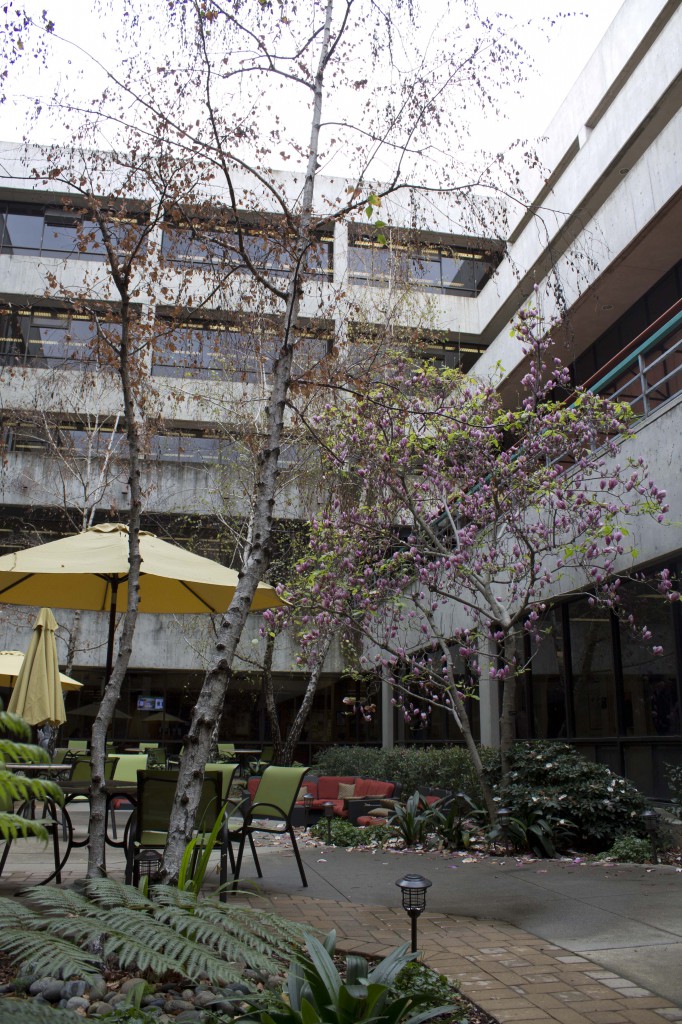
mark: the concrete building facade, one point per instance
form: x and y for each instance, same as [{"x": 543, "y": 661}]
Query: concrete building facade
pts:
[{"x": 598, "y": 242}]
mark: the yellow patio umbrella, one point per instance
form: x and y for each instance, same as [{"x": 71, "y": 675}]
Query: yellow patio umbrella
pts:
[
  {"x": 10, "y": 666},
  {"x": 37, "y": 696},
  {"x": 90, "y": 571}
]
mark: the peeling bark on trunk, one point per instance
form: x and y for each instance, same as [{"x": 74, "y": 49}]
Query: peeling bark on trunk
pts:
[
  {"x": 299, "y": 721},
  {"x": 112, "y": 690},
  {"x": 210, "y": 702}
]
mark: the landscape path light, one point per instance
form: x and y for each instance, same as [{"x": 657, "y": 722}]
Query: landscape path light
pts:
[
  {"x": 650, "y": 819},
  {"x": 329, "y": 814},
  {"x": 307, "y": 805},
  {"x": 413, "y": 889},
  {"x": 503, "y": 818}
]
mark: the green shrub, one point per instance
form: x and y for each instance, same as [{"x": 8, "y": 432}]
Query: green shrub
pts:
[
  {"x": 673, "y": 774},
  {"x": 592, "y": 803},
  {"x": 413, "y": 767},
  {"x": 345, "y": 833},
  {"x": 630, "y": 849}
]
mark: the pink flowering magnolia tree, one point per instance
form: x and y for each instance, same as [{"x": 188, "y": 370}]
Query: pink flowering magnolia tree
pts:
[{"x": 455, "y": 520}]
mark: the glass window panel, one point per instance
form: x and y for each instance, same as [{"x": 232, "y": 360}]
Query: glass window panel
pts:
[
  {"x": 320, "y": 260},
  {"x": 13, "y": 333},
  {"x": 549, "y": 681},
  {"x": 309, "y": 352},
  {"x": 460, "y": 273},
  {"x": 593, "y": 683},
  {"x": 651, "y": 694},
  {"x": 62, "y": 234},
  {"x": 23, "y": 231},
  {"x": 425, "y": 269}
]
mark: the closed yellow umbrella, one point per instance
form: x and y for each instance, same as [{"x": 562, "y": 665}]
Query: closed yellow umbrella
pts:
[
  {"x": 10, "y": 667},
  {"x": 37, "y": 696},
  {"x": 90, "y": 570}
]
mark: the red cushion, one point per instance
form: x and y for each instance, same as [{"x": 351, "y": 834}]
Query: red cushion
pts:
[
  {"x": 252, "y": 785},
  {"x": 338, "y": 805},
  {"x": 369, "y": 819},
  {"x": 310, "y": 787},
  {"x": 328, "y": 785},
  {"x": 431, "y": 800},
  {"x": 372, "y": 787}
]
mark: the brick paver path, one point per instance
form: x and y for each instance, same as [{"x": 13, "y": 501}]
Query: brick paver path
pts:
[{"x": 512, "y": 975}]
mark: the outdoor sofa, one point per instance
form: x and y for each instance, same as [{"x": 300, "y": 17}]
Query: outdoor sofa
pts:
[{"x": 350, "y": 795}]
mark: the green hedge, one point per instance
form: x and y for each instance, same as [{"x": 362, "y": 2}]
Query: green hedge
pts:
[{"x": 413, "y": 767}]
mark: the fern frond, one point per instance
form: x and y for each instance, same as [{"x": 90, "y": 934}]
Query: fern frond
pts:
[
  {"x": 58, "y": 902},
  {"x": 15, "y": 912},
  {"x": 106, "y": 892},
  {"x": 10, "y": 722},
  {"x": 48, "y": 955},
  {"x": 14, "y": 826},
  {"x": 14, "y": 786},
  {"x": 29, "y": 1011}
]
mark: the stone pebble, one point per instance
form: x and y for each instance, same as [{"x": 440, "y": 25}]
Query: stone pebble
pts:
[{"x": 168, "y": 1002}]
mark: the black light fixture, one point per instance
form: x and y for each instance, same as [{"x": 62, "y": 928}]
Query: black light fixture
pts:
[
  {"x": 503, "y": 818},
  {"x": 149, "y": 862},
  {"x": 413, "y": 889},
  {"x": 329, "y": 814},
  {"x": 307, "y": 805},
  {"x": 650, "y": 819}
]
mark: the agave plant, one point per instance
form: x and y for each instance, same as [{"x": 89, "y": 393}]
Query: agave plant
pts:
[
  {"x": 317, "y": 994},
  {"x": 414, "y": 819}
]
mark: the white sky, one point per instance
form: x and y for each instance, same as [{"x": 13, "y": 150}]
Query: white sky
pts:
[{"x": 560, "y": 52}]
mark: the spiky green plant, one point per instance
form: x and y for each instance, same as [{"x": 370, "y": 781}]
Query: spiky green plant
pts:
[
  {"x": 67, "y": 933},
  {"x": 317, "y": 994},
  {"x": 14, "y": 749}
]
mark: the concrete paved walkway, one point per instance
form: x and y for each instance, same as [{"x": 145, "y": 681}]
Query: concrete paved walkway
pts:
[{"x": 560, "y": 942}]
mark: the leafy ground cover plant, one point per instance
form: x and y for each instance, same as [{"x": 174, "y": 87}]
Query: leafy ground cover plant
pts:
[
  {"x": 629, "y": 849},
  {"x": 316, "y": 991},
  {"x": 345, "y": 833},
  {"x": 65, "y": 933},
  {"x": 590, "y": 803}
]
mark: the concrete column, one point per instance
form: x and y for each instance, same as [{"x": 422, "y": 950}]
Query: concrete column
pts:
[
  {"x": 489, "y": 699},
  {"x": 387, "y": 714}
]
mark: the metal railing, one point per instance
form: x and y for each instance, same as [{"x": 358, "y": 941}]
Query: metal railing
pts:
[{"x": 650, "y": 374}]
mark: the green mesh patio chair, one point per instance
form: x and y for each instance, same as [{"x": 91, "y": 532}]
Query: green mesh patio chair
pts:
[
  {"x": 227, "y": 773},
  {"x": 271, "y": 812},
  {"x": 51, "y": 819},
  {"x": 147, "y": 828}
]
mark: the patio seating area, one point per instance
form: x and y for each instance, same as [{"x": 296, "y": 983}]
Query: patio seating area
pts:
[{"x": 519, "y": 937}]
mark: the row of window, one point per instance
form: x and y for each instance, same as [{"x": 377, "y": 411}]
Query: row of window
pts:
[
  {"x": 52, "y": 231},
  {"x": 44, "y": 338},
  {"x": 55, "y": 232},
  {"x": 432, "y": 267},
  {"x": 191, "y": 446}
]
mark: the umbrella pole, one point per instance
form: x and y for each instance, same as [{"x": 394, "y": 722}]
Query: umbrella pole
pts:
[{"x": 112, "y": 630}]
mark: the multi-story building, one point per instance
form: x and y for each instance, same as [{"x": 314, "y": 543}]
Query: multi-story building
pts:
[{"x": 599, "y": 237}]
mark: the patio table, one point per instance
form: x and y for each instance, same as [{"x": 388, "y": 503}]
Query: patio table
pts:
[{"x": 113, "y": 788}]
